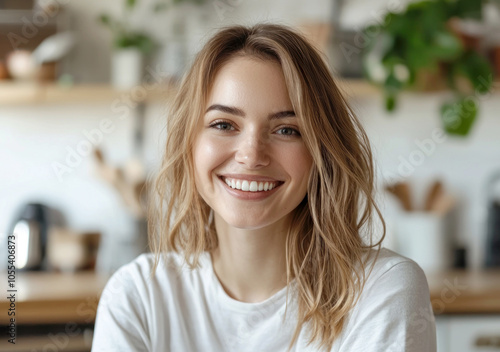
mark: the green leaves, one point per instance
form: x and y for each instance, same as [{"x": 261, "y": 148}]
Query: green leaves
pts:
[
  {"x": 130, "y": 4},
  {"x": 420, "y": 40},
  {"x": 468, "y": 9},
  {"x": 390, "y": 102},
  {"x": 105, "y": 19},
  {"x": 445, "y": 46},
  {"x": 477, "y": 70},
  {"x": 125, "y": 37},
  {"x": 135, "y": 40},
  {"x": 459, "y": 115}
]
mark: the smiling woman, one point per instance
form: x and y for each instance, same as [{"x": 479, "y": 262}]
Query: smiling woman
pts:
[
  {"x": 262, "y": 220},
  {"x": 241, "y": 142}
]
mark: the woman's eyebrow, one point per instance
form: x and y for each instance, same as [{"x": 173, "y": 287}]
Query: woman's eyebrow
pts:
[
  {"x": 238, "y": 112},
  {"x": 227, "y": 109}
]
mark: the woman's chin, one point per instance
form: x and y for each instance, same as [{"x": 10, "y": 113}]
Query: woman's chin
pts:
[{"x": 248, "y": 222}]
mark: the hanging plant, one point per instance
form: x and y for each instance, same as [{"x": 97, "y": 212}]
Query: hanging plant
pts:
[{"x": 421, "y": 48}]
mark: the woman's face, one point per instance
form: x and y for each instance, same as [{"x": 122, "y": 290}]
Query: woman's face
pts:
[{"x": 251, "y": 164}]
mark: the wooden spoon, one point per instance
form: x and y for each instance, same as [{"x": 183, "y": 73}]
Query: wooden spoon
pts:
[
  {"x": 443, "y": 205},
  {"x": 433, "y": 194},
  {"x": 402, "y": 192}
]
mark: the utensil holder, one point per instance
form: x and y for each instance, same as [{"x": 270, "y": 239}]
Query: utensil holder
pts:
[{"x": 424, "y": 237}]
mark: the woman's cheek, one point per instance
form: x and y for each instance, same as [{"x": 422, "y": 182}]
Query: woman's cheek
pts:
[{"x": 211, "y": 152}]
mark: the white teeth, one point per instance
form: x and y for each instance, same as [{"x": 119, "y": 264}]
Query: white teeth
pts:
[
  {"x": 245, "y": 186},
  {"x": 250, "y": 186}
]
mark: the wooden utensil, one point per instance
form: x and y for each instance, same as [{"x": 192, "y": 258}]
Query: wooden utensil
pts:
[
  {"x": 443, "y": 204},
  {"x": 403, "y": 193},
  {"x": 116, "y": 177},
  {"x": 128, "y": 194},
  {"x": 435, "y": 191}
]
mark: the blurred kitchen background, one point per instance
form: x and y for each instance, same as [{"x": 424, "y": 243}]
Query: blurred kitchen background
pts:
[{"x": 84, "y": 91}]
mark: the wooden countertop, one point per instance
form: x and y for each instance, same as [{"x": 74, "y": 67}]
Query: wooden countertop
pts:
[
  {"x": 59, "y": 298},
  {"x": 50, "y": 298},
  {"x": 465, "y": 292}
]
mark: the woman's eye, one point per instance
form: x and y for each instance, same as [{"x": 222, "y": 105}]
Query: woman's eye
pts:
[
  {"x": 288, "y": 131},
  {"x": 222, "y": 126}
]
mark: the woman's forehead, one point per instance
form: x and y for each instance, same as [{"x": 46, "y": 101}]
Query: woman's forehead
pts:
[{"x": 246, "y": 80}]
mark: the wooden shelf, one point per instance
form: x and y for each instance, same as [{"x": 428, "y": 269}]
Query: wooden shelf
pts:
[
  {"x": 25, "y": 94},
  {"x": 357, "y": 88},
  {"x": 22, "y": 94}
]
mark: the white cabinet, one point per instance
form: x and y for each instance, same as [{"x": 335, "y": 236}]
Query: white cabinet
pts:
[{"x": 468, "y": 333}]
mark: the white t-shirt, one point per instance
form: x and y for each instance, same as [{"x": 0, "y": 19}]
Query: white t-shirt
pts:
[{"x": 183, "y": 310}]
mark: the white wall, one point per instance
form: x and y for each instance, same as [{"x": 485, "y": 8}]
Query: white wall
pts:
[{"x": 33, "y": 138}]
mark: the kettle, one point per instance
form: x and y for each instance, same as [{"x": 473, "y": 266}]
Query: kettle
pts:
[
  {"x": 30, "y": 231},
  {"x": 492, "y": 257}
]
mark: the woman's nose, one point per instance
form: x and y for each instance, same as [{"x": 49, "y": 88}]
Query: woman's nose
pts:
[{"x": 253, "y": 151}]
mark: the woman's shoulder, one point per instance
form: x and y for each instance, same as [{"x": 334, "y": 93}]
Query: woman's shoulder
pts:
[
  {"x": 128, "y": 313},
  {"x": 391, "y": 265},
  {"x": 137, "y": 277},
  {"x": 393, "y": 312}
]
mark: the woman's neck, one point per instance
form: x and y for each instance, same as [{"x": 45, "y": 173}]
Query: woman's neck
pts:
[{"x": 250, "y": 264}]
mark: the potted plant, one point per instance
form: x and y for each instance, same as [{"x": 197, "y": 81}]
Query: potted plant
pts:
[
  {"x": 129, "y": 47},
  {"x": 424, "y": 46}
]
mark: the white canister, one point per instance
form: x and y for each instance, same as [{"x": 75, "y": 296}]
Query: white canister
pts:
[
  {"x": 126, "y": 68},
  {"x": 424, "y": 237}
]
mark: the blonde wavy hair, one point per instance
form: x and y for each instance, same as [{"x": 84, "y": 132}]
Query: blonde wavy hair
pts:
[{"x": 325, "y": 248}]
